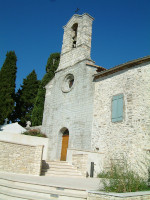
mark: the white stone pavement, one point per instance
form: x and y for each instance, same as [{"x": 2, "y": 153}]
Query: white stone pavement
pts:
[{"x": 65, "y": 182}]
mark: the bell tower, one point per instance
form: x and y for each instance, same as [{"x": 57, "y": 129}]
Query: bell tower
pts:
[
  {"x": 76, "y": 40},
  {"x": 68, "y": 110}
]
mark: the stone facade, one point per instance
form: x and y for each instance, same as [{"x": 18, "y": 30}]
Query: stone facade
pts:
[
  {"x": 122, "y": 196},
  {"x": 130, "y": 137},
  {"x": 79, "y": 100},
  {"x": 19, "y": 158},
  {"x": 72, "y": 108}
]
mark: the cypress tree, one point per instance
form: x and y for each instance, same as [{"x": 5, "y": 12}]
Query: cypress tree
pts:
[
  {"x": 51, "y": 67},
  {"x": 7, "y": 86},
  {"x": 25, "y": 99},
  {"x": 16, "y": 114}
]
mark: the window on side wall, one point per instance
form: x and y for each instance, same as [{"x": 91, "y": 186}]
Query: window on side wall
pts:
[{"x": 117, "y": 108}]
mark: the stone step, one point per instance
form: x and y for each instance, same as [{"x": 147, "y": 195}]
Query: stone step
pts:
[
  {"x": 61, "y": 174},
  {"x": 15, "y": 190},
  {"x": 58, "y": 163},
  {"x": 64, "y": 173},
  {"x": 8, "y": 197},
  {"x": 35, "y": 186},
  {"x": 5, "y": 195},
  {"x": 60, "y": 168}
]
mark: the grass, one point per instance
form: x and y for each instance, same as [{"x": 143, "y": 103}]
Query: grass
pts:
[{"x": 34, "y": 132}]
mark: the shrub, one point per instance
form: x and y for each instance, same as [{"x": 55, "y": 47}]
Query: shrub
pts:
[
  {"x": 121, "y": 179},
  {"x": 34, "y": 132}
]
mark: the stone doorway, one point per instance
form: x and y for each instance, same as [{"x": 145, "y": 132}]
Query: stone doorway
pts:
[{"x": 65, "y": 141}]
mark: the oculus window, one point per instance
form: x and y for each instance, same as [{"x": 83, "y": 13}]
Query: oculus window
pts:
[{"x": 68, "y": 83}]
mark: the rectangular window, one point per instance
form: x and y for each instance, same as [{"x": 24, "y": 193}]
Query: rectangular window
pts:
[{"x": 117, "y": 108}]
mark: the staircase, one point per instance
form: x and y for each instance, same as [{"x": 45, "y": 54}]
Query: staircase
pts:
[
  {"x": 12, "y": 189},
  {"x": 60, "y": 168},
  {"x": 29, "y": 187}
]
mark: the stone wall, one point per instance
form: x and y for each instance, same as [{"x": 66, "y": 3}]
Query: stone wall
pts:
[
  {"x": 19, "y": 158},
  {"x": 26, "y": 140},
  {"x": 82, "y": 159},
  {"x": 117, "y": 196},
  {"x": 129, "y": 138}
]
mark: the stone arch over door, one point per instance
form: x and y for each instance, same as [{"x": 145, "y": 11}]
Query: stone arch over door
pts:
[{"x": 63, "y": 143}]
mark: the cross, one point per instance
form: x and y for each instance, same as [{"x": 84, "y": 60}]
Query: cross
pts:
[
  {"x": 76, "y": 11},
  {"x": 6, "y": 120}
]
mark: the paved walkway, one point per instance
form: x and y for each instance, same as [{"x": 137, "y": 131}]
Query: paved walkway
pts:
[{"x": 66, "y": 182}]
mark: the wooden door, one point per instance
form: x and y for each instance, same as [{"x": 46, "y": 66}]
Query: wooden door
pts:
[{"x": 65, "y": 139}]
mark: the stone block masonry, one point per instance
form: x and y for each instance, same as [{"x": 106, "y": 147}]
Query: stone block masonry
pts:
[
  {"x": 26, "y": 140},
  {"x": 80, "y": 161},
  {"x": 128, "y": 138},
  {"x": 69, "y": 55},
  {"x": 72, "y": 110},
  {"x": 119, "y": 196},
  {"x": 19, "y": 158}
]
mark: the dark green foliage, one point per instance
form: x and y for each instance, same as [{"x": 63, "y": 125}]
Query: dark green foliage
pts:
[
  {"x": 121, "y": 179},
  {"x": 16, "y": 114},
  {"x": 25, "y": 99},
  {"x": 7, "y": 86},
  {"x": 37, "y": 114},
  {"x": 51, "y": 67},
  {"x": 34, "y": 132},
  {"x": 53, "y": 62}
]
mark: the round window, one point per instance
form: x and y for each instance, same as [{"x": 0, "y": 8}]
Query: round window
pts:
[{"x": 68, "y": 83}]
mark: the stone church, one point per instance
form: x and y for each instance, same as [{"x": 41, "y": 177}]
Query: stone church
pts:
[{"x": 96, "y": 115}]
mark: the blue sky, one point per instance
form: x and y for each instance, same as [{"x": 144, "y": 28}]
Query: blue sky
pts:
[{"x": 33, "y": 29}]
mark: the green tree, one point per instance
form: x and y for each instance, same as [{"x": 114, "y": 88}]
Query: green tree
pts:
[
  {"x": 51, "y": 67},
  {"x": 7, "y": 86},
  {"x": 53, "y": 62},
  {"x": 16, "y": 114},
  {"x": 25, "y": 99}
]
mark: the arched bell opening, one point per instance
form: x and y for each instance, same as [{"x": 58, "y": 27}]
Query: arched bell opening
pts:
[{"x": 74, "y": 35}]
